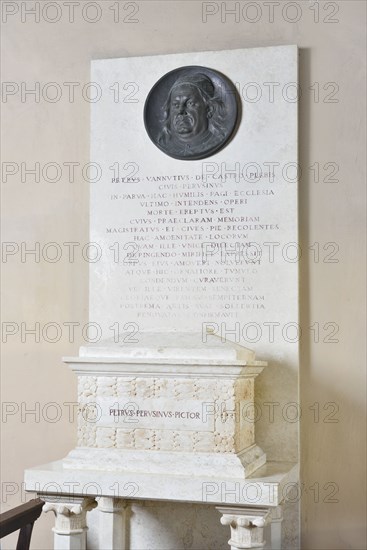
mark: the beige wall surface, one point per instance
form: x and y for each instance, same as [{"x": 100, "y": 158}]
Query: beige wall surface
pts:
[{"x": 56, "y": 45}]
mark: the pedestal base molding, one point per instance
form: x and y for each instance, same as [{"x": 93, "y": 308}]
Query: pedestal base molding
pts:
[{"x": 238, "y": 466}]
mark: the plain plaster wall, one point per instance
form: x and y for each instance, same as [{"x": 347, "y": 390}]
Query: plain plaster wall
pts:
[{"x": 44, "y": 292}]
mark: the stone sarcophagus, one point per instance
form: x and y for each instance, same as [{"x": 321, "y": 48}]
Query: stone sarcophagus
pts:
[{"x": 168, "y": 402}]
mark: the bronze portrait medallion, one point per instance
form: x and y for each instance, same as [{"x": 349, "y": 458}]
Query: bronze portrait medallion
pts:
[{"x": 191, "y": 112}]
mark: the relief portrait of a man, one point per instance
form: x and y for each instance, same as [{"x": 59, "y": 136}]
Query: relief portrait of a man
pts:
[
  {"x": 191, "y": 112},
  {"x": 193, "y": 117}
]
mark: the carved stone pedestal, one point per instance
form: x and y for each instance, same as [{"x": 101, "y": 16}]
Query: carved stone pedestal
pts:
[
  {"x": 164, "y": 419},
  {"x": 173, "y": 402},
  {"x": 70, "y": 532},
  {"x": 245, "y": 515}
]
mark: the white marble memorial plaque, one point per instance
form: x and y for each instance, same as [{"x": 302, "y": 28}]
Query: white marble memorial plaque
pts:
[{"x": 192, "y": 244}]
